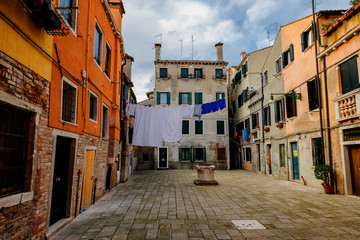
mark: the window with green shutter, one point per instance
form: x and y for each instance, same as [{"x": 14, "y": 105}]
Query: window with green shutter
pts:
[
  {"x": 163, "y": 98},
  {"x": 349, "y": 75},
  {"x": 185, "y": 154},
  {"x": 184, "y": 73},
  {"x": 198, "y": 98},
  {"x": 163, "y": 72},
  {"x": 200, "y": 154},
  {"x": 220, "y": 127},
  {"x": 219, "y": 73},
  {"x": 220, "y": 95},
  {"x": 199, "y": 127},
  {"x": 184, "y": 98},
  {"x": 185, "y": 126}
]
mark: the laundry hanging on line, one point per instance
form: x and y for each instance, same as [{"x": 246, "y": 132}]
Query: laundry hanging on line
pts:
[{"x": 156, "y": 124}]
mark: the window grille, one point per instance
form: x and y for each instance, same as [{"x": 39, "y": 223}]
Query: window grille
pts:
[
  {"x": 68, "y": 104},
  {"x": 352, "y": 134}
]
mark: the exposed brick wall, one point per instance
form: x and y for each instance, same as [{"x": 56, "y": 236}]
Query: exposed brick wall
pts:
[{"x": 28, "y": 220}]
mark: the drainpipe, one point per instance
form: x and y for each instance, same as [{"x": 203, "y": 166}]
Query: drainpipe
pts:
[
  {"x": 318, "y": 81},
  {"x": 86, "y": 65},
  {"x": 262, "y": 114}
]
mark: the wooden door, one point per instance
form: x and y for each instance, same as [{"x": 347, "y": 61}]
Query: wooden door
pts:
[
  {"x": 162, "y": 157},
  {"x": 295, "y": 160},
  {"x": 88, "y": 179},
  {"x": 354, "y": 155}
]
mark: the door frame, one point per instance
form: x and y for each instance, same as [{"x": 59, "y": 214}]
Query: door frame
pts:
[
  {"x": 292, "y": 160},
  {"x": 75, "y": 161},
  {"x": 345, "y": 158},
  {"x": 167, "y": 158}
]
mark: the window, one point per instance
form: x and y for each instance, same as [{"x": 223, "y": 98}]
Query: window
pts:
[
  {"x": 198, "y": 73},
  {"x": 198, "y": 98},
  {"x": 218, "y": 73},
  {"x": 279, "y": 110},
  {"x": 307, "y": 38},
  {"x": 220, "y": 95},
  {"x": 247, "y": 125},
  {"x": 131, "y": 131},
  {"x": 288, "y": 56},
  {"x": 184, "y": 73},
  {"x": 255, "y": 120},
  {"x": 278, "y": 65},
  {"x": 107, "y": 60},
  {"x": 265, "y": 77},
  {"x": 93, "y": 107},
  {"x": 163, "y": 98},
  {"x": 239, "y": 129},
  {"x": 349, "y": 75},
  {"x": 16, "y": 149},
  {"x": 105, "y": 122},
  {"x": 248, "y": 154},
  {"x": 185, "y": 126},
  {"x": 184, "y": 98},
  {"x": 185, "y": 154},
  {"x": 313, "y": 94},
  {"x": 200, "y": 154},
  {"x": 220, "y": 127},
  {"x": 317, "y": 151},
  {"x": 98, "y": 44},
  {"x": 244, "y": 69},
  {"x": 199, "y": 127},
  {"x": 68, "y": 14},
  {"x": 239, "y": 101},
  {"x": 282, "y": 155},
  {"x": 238, "y": 77},
  {"x": 221, "y": 154},
  {"x": 290, "y": 106},
  {"x": 267, "y": 116},
  {"x": 69, "y": 101},
  {"x": 163, "y": 73}
]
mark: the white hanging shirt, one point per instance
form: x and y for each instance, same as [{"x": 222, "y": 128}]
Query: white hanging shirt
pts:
[{"x": 172, "y": 127}]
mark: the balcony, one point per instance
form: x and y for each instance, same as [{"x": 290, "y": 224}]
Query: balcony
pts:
[
  {"x": 219, "y": 77},
  {"x": 163, "y": 76},
  {"x": 347, "y": 106}
]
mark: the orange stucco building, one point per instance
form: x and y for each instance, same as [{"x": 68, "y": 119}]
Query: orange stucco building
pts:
[{"x": 85, "y": 103}]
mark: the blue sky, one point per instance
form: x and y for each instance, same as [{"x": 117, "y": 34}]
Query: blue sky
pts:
[{"x": 241, "y": 25}]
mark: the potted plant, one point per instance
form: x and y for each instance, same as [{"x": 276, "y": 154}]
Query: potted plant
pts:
[
  {"x": 266, "y": 128},
  {"x": 325, "y": 172},
  {"x": 279, "y": 124}
]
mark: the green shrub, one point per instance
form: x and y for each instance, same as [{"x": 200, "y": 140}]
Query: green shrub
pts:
[
  {"x": 324, "y": 172},
  {"x": 354, "y": 2}
]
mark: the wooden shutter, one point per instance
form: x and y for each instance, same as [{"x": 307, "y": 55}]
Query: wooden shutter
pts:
[
  {"x": 158, "y": 97},
  {"x": 191, "y": 154},
  {"x": 217, "y": 96},
  {"x": 168, "y": 98},
  {"x": 303, "y": 36},
  {"x": 180, "y": 155},
  {"x": 200, "y": 98},
  {"x": 190, "y": 102},
  {"x": 291, "y": 52},
  {"x": 283, "y": 56},
  {"x": 276, "y": 111},
  {"x": 294, "y": 104},
  {"x": 204, "y": 154},
  {"x": 354, "y": 78},
  {"x": 180, "y": 97},
  {"x": 194, "y": 153}
]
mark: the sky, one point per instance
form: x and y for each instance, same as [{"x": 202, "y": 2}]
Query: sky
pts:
[{"x": 241, "y": 25}]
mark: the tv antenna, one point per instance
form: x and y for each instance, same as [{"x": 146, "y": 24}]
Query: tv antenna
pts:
[
  {"x": 268, "y": 31},
  {"x": 192, "y": 47},
  {"x": 159, "y": 35},
  {"x": 181, "y": 41}
]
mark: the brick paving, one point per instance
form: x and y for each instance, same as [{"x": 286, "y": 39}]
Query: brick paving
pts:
[{"x": 167, "y": 205}]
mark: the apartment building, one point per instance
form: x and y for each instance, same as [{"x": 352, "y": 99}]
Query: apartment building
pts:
[{"x": 189, "y": 82}]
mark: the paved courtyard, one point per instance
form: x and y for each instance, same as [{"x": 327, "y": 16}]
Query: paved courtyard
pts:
[{"x": 167, "y": 205}]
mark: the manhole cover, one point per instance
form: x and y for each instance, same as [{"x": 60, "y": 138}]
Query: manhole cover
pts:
[{"x": 247, "y": 224}]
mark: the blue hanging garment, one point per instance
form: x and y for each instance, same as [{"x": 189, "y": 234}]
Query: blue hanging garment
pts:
[
  {"x": 215, "y": 106},
  {"x": 221, "y": 104},
  {"x": 206, "y": 108},
  {"x": 245, "y": 134}
]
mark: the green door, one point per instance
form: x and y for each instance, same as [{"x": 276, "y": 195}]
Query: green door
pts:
[{"x": 295, "y": 160}]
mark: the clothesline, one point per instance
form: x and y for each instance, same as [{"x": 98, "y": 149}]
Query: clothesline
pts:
[{"x": 157, "y": 123}]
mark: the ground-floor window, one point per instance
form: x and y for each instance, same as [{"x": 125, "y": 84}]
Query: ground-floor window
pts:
[
  {"x": 200, "y": 154},
  {"x": 184, "y": 154},
  {"x": 145, "y": 157},
  {"x": 282, "y": 155},
  {"x": 317, "y": 152},
  {"x": 17, "y": 129}
]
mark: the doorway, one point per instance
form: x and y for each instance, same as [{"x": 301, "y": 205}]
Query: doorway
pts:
[
  {"x": 268, "y": 150},
  {"x": 88, "y": 179},
  {"x": 354, "y": 158},
  {"x": 163, "y": 163},
  {"x": 259, "y": 156},
  {"x": 62, "y": 179},
  {"x": 108, "y": 178},
  {"x": 295, "y": 161}
]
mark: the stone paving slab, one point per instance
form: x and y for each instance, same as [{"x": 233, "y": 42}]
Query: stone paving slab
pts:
[{"x": 167, "y": 205}]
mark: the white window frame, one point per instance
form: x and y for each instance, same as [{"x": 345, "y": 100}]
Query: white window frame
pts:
[
  {"x": 73, "y": 29},
  {"x": 221, "y": 94},
  {"x": 107, "y": 122},
  {"x": 309, "y": 37},
  {"x": 97, "y": 106},
  {"x": 107, "y": 45},
  {"x": 76, "y": 99},
  {"x": 97, "y": 25}
]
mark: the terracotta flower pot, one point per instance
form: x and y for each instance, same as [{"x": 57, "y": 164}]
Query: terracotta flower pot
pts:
[{"x": 329, "y": 189}]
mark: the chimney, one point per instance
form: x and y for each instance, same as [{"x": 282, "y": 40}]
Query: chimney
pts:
[
  {"x": 219, "y": 52},
  {"x": 242, "y": 55},
  {"x": 157, "y": 51}
]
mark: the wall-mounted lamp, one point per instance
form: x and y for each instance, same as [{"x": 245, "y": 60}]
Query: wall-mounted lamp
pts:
[{"x": 293, "y": 94}]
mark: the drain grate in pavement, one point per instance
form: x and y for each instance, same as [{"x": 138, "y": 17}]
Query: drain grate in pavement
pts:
[{"x": 247, "y": 224}]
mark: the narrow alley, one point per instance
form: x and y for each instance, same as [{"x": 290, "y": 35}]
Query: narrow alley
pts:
[{"x": 167, "y": 205}]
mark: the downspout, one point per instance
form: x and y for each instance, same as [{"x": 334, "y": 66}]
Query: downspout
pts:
[
  {"x": 262, "y": 114},
  {"x": 86, "y": 66},
  {"x": 318, "y": 81}
]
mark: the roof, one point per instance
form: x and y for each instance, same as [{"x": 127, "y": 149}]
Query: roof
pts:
[
  {"x": 348, "y": 14},
  {"x": 204, "y": 62}
]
